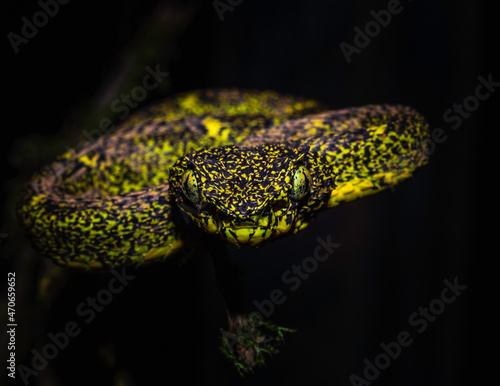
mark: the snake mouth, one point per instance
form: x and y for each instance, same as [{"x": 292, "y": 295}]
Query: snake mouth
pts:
[
  {"x": 255, "y": 230},
  {"x": 250, "y": 230},
  {"x": 250, "y": 222}
]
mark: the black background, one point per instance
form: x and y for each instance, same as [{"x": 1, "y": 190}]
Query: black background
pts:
[{"x": 396, "y": 248}]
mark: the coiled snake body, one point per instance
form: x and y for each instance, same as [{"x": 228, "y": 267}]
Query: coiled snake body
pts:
[{"x": 246, "y": 166}]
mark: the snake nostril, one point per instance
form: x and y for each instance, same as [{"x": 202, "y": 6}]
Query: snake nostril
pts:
[
  {"x": 225, "y": 219},
  {"x": 279, "y": 205},
  {"x": 209, "y": 209}
]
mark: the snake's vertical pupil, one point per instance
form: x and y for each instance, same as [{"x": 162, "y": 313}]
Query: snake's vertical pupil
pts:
[
  {"x": 190, "y": 186},
  {"x": 301, "y": 183}
]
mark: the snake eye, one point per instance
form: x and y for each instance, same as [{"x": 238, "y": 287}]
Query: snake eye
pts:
[
  {"x": 190, "y": 186},
  {"x": 301, "y": 183}
]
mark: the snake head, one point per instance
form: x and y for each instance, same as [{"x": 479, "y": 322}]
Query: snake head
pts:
[{"x": 251, "y": 195}]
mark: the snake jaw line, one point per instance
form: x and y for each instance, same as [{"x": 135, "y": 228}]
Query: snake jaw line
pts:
[{"x": 245, "y": 231}]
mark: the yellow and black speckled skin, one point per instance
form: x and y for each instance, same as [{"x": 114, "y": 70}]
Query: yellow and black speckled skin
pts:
[{"x": 247, "y": 166}]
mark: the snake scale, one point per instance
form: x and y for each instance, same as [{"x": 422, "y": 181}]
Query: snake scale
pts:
[{"x": 247, "y": 166}]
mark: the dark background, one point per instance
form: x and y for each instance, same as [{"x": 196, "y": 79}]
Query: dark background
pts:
[{"x": 396, "y": 248}]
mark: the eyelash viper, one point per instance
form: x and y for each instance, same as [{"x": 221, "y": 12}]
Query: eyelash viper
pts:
[{"x": 247, "y": 166}]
